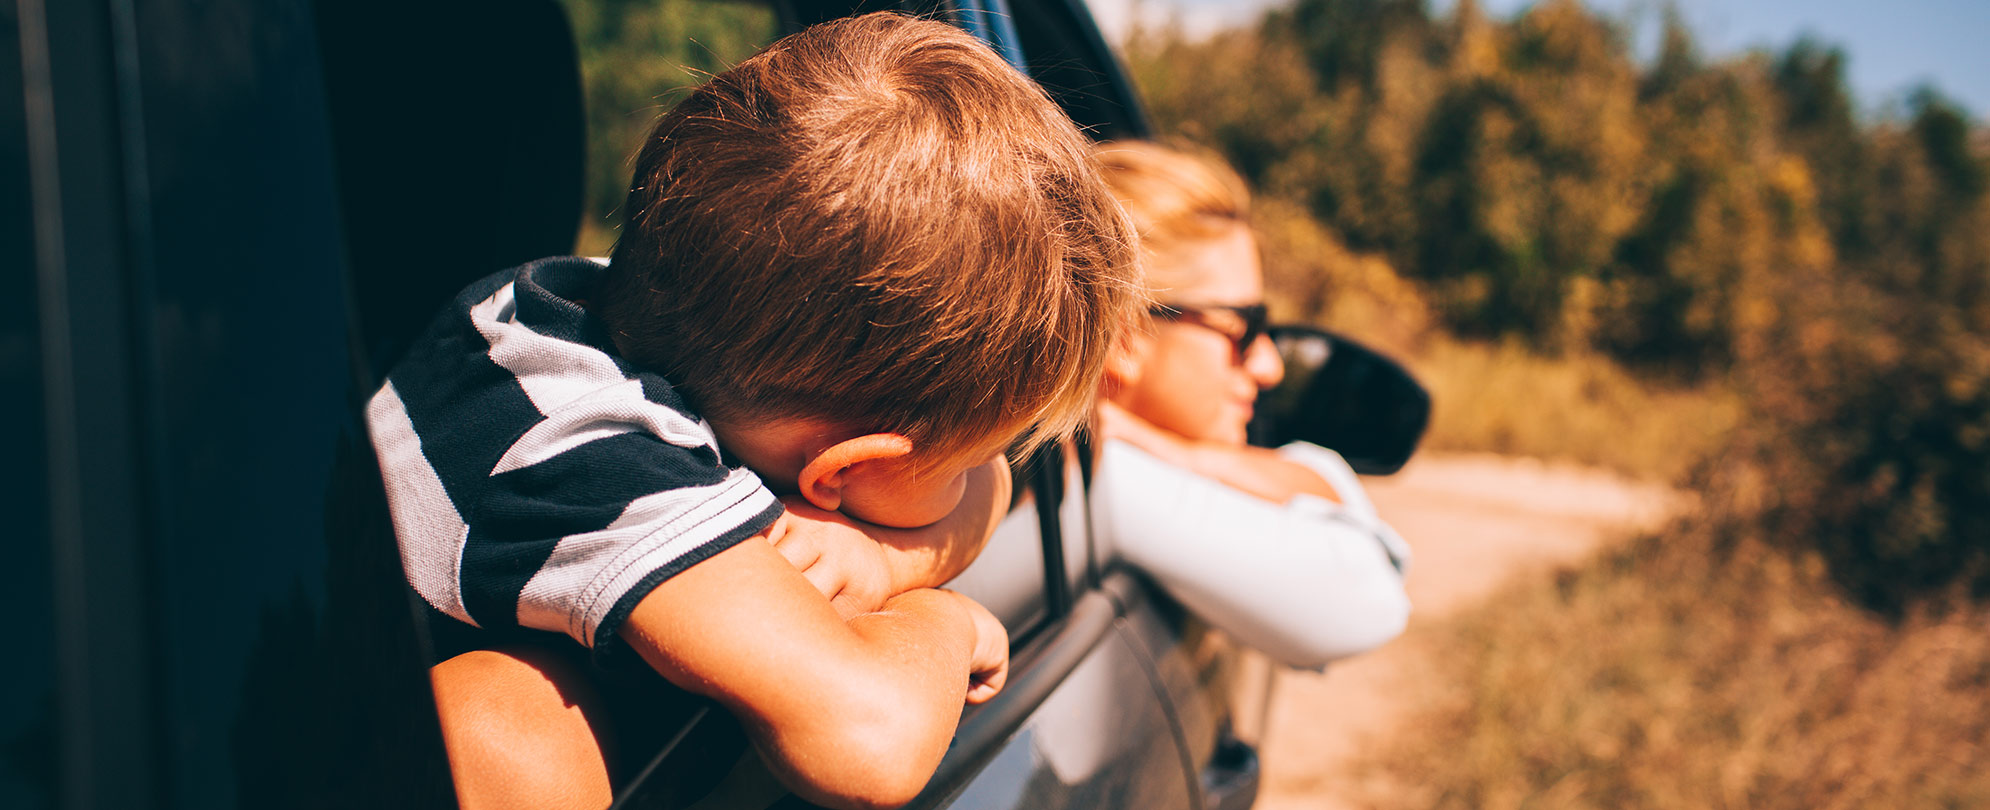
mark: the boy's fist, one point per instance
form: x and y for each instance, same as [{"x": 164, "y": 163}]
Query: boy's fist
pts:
[
  {"x": 989, "y": 665},
  {"x": 859, "y": 565},
  {"x": 836, "y": 556}
]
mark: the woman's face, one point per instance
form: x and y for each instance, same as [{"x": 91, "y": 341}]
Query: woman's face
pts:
[{"x": 1188, "y": 376}]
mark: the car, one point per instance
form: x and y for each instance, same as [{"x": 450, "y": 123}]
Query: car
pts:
[{"x": 226, "y": 218}]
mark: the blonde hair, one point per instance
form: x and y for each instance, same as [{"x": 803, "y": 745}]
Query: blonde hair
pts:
[
  {"x": 1175, "y": 197},
  {"x": 879, "y": 222}
]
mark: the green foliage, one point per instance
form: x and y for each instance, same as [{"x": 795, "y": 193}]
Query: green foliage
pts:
[
  {"x": 637, "y": 57},
  {"x": 1729, "y": 224}
]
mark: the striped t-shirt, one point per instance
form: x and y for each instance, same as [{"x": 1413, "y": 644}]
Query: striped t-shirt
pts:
[{"x": 538, "y": 480}]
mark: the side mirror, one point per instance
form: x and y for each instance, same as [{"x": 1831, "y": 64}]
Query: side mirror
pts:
[{"x": 1345, "y": 397}]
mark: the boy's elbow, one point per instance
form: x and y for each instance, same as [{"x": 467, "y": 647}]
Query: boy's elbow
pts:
[
  {"x": 880, "y": 789},
  {"x": 876, "y": 751},
  {"x": 859, "y": 771}
]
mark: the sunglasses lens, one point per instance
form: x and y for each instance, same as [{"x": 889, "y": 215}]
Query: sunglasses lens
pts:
[
  {"x": 1254, "y": 319},
  {"x": 1256, "y": 322}
]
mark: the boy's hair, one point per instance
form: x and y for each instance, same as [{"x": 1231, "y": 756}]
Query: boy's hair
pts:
[
  {"x": 879, "y": 222},
  {"x": 1175, "y": 196}
]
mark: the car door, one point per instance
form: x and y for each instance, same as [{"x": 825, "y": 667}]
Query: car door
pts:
[{"x": 1082, "y": 722}]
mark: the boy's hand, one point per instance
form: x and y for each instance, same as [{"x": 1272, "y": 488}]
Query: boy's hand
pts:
[
  {"x": 859, "y": 565},
  {"x": 990, "y": 661},
  {"x": 840, "y": 560},
  {"x": 836, "y": 554},
  {"x": 929, "y": 556},
  {"x": 884, "y": 689}
]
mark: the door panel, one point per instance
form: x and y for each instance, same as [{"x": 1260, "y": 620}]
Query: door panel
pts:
[
  {"x": 1101, "y": 739},
  {"x": 1203, "y": 676}
]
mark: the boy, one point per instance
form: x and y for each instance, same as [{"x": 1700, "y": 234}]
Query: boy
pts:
[{"x": 867, "y": 259}]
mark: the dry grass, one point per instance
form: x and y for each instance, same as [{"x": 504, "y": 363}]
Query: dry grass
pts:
[
  {"x": 1656, "y": 677},
  {"x": 1584, "y": 408}
]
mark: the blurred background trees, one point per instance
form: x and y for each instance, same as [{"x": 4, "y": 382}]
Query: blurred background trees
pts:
[
  {"x": 1733, "y": 224},
  {"x": 637, "y": 58}
]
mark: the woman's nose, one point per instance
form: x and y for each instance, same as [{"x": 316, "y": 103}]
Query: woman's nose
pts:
[{"x": 1262, "y": 362}]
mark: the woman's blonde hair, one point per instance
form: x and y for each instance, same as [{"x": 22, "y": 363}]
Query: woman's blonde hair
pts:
[{"x": 1175, "y": 197}]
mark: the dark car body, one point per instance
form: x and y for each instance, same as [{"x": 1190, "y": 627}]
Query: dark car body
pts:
[{"x": 224, "y": 218}]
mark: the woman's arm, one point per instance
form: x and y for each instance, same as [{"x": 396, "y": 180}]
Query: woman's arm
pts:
[
  {"x": 1306, "y": 581},
  {"x": 1253, "y": 470}
]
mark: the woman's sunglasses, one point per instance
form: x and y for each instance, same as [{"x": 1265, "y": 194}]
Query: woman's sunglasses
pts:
[{"x": 1242, "y": 325}]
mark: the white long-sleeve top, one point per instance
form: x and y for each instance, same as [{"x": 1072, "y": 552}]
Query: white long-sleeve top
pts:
[{"x": 1306, "y": 582}]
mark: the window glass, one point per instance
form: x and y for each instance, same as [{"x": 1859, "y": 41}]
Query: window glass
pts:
[
  {"x": 1008, "y": 576},
  {"x": 1071, "y": 61},
  {"x": 287, "y": 660},
  {"x": 27, "y": 681},
  {"x": 637, "y": 59}
]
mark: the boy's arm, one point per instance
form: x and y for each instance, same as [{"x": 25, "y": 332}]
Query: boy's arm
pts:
[
  {"x": 859, "y": 565},
  {"x": 852, "y": 714},
  {"x": 523, "y": 728}
]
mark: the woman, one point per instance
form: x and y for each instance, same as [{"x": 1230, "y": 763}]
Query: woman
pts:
[{"x": 1279, "y": 548}]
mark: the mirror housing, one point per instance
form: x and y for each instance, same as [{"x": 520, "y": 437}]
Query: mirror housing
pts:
[{"x": 1345, "y": 397}]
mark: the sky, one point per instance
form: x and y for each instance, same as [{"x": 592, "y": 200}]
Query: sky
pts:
[{"x": 1892, "y": 47}]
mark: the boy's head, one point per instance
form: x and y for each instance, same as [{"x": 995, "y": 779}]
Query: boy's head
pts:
[{"x": 874, "y": 226}]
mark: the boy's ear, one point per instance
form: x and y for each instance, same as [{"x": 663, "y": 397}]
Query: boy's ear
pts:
[{"x": 824, "y": 477}]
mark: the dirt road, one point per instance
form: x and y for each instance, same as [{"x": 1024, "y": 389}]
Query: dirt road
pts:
[{"x": 1474, "y": 521}]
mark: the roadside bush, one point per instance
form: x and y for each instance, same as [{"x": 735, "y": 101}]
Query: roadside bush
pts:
[
  {"x": 1580, "y": 407},
  {"x": 1869, "y": 437}
]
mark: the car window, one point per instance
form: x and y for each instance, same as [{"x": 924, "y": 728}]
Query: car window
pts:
[
  {"x": 1067, "y": 55},
  {"x": 252, "y": 457},
  {"x": 1008, "y": 577},
  {"x": 636, "y": 62},
  {"x": 1074, "y": 518}
]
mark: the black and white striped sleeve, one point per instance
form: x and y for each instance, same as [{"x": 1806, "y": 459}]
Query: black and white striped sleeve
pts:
[{"x": 536, "y": 482}]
